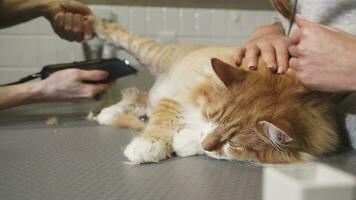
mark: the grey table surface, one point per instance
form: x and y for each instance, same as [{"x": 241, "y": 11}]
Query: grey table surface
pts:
[{"x": 80, "y": 160}]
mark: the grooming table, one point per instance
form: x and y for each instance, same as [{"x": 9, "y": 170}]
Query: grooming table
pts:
[{"x": 80, "y": 160}]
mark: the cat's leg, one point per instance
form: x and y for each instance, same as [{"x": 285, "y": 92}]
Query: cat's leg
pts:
[
  {"x": 158, "y": 58},
  {"x": 155, "y": 143},
  {"x": 187, "y": 142},
  {"x": 129, "y": 121}
]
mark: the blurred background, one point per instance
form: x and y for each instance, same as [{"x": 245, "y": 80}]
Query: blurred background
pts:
[
  {"x": 26, "y": 48},
  {"x": 80, "y": 160}
]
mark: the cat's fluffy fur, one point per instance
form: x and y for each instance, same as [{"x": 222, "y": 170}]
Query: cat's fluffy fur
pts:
[{"x": 203, "y": 105}]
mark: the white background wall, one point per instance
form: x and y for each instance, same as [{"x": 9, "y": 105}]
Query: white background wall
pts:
[{"x": 27, "y": 47}]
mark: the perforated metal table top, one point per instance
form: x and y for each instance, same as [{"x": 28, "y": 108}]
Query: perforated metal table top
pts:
[{"x": 81, "y": 160}]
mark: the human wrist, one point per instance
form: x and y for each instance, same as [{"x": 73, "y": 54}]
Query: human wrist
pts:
[
  {"x": 38, "y": 8},
  {"x": 36, "y": 91},
  {"x": 44, "y": 7},
  {"x": 31, "y": 9},
  {"x": 21, "y": 94},
  {"x": 272, "y": 29}
]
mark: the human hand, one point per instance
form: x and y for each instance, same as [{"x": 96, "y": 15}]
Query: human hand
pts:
[
  {"x": 271, "y": 44},
  {"x": 323, "y": 58},
  {"x": 67, "y": 85},
  {"x": 68, "y": 19}
]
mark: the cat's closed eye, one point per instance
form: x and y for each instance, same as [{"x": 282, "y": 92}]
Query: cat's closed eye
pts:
[{"x": 235, "y": 145}]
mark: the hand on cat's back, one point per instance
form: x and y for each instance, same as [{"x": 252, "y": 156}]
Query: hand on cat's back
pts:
[
  {"x": 323, "y": 58},
  {"x": 271, "y": 44}
]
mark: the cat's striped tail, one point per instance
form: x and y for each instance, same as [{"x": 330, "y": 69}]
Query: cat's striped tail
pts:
[{"x": 158, "y": 58}]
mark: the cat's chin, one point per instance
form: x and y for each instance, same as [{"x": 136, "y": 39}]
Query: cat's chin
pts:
[{"x": 216, "y": 155}]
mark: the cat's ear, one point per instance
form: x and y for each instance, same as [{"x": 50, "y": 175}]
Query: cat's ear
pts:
[
  {"x": 275, "y": 134},
  {"x": 227, "y": 73}
]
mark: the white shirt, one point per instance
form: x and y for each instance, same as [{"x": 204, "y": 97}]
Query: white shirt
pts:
[
  {"x": 335, "y": 13},
  {"x": 339, "y": 14}
]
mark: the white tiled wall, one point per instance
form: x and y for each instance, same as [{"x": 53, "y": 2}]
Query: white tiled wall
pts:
[{"x": 27, "y": 47}]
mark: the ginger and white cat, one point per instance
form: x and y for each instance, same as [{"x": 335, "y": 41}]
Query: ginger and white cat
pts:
[{"x": 202, "y": 104}]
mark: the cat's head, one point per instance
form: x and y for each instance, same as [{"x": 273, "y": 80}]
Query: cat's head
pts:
[{"x": 267, "y": 118}]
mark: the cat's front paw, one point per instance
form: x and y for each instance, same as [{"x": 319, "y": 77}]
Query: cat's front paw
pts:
[{"x": 141, "y": 150}]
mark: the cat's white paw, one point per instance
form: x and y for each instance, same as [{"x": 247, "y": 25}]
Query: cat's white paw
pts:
[
  {"x": 141, "y": 150},
  {"x": 108, "y": 115},
  {"x": 186, "y": 143}
]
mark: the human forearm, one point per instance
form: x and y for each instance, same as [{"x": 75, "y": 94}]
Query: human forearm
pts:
[
  {"x": 17, "y": 11},
  {"x": 11, "y": 96},
  {"x": 276, "y": 28},
  {"x": 67, "y": 17},
  {"x": 65, "y": 85}
]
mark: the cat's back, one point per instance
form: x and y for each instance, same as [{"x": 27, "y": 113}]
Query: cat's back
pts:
[
  {"x": 196, "y": 66},
  {"x": 189, "y": 72},
  {"x": 200, "y": 59}
]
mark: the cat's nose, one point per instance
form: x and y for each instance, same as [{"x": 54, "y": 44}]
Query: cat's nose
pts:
[{"x": 211, "y": 142}]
